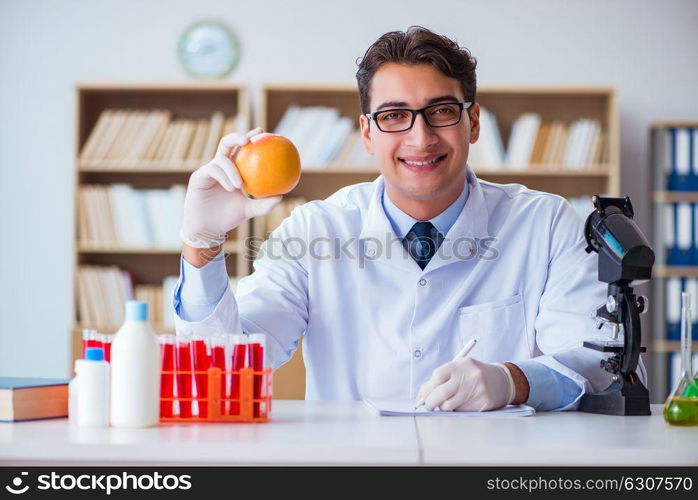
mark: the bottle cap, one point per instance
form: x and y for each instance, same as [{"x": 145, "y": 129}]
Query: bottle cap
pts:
[
  {"x": 94, "y": 354},
  {"x": 136, "y": 310}
]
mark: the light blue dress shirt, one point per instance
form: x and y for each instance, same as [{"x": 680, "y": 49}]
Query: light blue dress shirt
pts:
[{"x": 200, "y": 289}]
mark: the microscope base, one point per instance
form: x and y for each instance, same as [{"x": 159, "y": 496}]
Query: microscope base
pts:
[{"x": 618, "y": 399}]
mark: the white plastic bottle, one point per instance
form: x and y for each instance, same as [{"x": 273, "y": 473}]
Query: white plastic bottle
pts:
[
  {"x": 92, "y": 379},
  {"x": 135, "y": 371}
]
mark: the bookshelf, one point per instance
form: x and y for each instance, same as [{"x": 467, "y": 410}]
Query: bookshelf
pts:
[
  {"x": 562, "y": 104},
  {"x": 196, "y": 103},
  {"x": 666, "y": 196}
]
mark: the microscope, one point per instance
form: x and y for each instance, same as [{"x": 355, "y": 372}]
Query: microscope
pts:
[{"x": 625, "y": 260}]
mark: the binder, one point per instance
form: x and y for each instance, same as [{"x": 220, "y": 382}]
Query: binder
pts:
[
  {"x": 694, "y": 253},
  {"x": 680, "y": 176},
  {"x": 674, "y": 287},
  {"x": 684, "y": 234},
  {"x": 694, "y": 156},
  {"x": 692, "y": 166},
  {"x": 670, "y": 248}
]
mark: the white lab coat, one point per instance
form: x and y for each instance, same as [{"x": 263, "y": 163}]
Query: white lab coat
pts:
[{"x": 376, "y": 325}]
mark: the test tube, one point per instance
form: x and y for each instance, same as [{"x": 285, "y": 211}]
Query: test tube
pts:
[
  {"x": 107, "y": 340},
  {"x": 85, "y": 340},
  {"x": 184, "y": 366},
  {"x": 238, "y": 362},
  {"x": 201, "y": 366},
  {"x": 218, "y": 361},
  {"x": 257, "y": 343},
  {"x": 167, "y": 350},
  {"x": 96, "y": 340}
]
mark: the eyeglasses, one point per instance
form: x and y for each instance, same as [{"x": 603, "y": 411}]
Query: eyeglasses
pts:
[{"x": 445, "y": 114}]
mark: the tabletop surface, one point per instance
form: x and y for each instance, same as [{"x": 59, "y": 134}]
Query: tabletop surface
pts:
[{"x": 317, "y": 433}]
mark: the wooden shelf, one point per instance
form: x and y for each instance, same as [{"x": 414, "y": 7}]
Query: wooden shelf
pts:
[
  {"x": 663, "y": 124},
  {"x": 662, "y": 271},
  {"x": 506, "y": 103},
  {"x": 665, "y": 346},
  {"x": 490, "y": 172},
  {"x": 185, "y": 100},
  {"x": 228, "y": 246},
  {"x": 675, "y": 197},
  {"x": 137, "y": 170},
  {"x": 661, "y": 360}
]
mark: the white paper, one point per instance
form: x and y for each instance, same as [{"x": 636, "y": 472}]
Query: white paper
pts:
[{"x": 401, "y": 407}]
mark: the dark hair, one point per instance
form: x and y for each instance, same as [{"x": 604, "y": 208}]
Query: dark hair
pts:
[{"x": 417, "y": 45}]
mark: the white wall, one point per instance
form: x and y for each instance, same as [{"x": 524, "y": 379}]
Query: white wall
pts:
[{"x": 648, "y": 50}]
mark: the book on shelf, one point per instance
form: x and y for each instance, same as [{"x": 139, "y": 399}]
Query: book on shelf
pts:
[
  {"x": 24, "y": 398},
  {"x": 103, "y": 291},
  {"x": 677, "y": 153},
  {"x": 488, "y": 151},
  {"x": 537, "y": 145},
  {"x": 127, "y": 138},
  {"x": 323, "y": 137},
  {"x": 118, "y": 215}
]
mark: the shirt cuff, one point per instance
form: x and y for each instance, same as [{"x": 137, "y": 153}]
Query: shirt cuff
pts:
[
  {"x": 200, "y": 288},
  {"x": 548, "y": 389}
]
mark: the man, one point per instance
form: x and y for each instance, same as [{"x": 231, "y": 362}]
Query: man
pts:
[{"x": 389, "y": 280}]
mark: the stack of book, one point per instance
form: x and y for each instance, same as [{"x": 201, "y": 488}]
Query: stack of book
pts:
[
  {"x": 32, "y": 398},
  {"x": 323, "y": 137},
  {"x": 123, "y": 138},
  {"x": 103, "y": 291},
  {"x": 533, "y": 144},
  {"x": 118, "y": 215}
]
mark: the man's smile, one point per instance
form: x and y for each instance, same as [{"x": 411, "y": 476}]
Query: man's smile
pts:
[{"x": 422, "y": 163}]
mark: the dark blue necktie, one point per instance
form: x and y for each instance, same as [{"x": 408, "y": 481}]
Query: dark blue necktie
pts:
[{"x": 422, "y": 241}]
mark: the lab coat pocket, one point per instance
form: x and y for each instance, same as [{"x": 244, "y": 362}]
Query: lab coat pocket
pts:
[{"x": 499, "y": 327}]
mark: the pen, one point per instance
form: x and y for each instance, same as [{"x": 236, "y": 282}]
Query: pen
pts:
[{"x": 461, "y": 354}]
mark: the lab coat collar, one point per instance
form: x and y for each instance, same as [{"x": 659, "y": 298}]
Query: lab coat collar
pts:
[{"x": 471, "y": 225}]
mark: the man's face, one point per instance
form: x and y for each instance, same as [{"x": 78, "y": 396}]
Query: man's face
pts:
[{"x": 416, "y": 86}]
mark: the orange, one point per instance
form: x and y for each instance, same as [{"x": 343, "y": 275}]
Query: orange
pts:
[{"x": 269, "y": 165}]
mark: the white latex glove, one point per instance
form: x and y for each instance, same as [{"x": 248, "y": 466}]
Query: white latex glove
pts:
[
  {"x": 214, "y": 203},
  {"x": 467, "y": 384}
]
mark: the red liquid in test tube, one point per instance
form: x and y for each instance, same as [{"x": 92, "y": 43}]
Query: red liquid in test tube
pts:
[
  {"x": 201, "y": 366},
  {"x": 107, "y": 339},
  {"x": 184, "y": 367},
  {"x": 218, "y": 361},
  {"x": 167, "y": 349},
  {"x": 239, "y": 361},
  {"x": 94, "y": 339},
  {"x": 257, "y": 343}
]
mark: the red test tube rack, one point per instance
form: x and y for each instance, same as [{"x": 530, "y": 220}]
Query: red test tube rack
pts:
[{"x": 237, "y": 389}]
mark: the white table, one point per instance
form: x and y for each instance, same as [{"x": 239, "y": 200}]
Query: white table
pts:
[
  {"x": 299, "y": 432},
  {"x": 558, "y": 438},
  {"x": 317, "y": 433}
]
